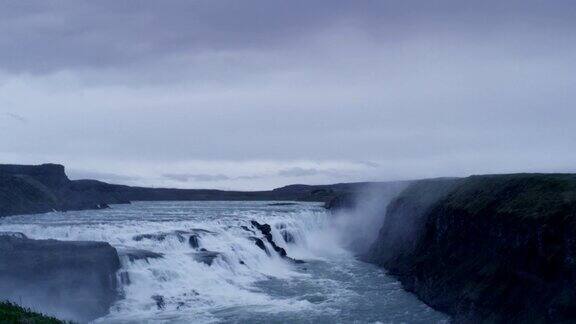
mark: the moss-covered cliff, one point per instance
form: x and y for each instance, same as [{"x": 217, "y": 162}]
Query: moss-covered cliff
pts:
[{"x": 498, "y": 248}]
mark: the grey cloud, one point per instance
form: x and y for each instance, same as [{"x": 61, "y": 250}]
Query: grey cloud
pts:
[
  {"x": 288, "y": 172},
  {"x": 197, "y": 177},
  {"x": 359, "y": 90},
  {"x": 252, "y": 177},
  {"x": 306, "y": 172},
  {"x": 16, "y": 117},
  {"x": 77, "y": 174},
  {"x": 47, "y": 36},
  {"x": 370, "y": 164}
]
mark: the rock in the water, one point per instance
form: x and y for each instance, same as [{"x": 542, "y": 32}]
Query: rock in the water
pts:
[
  {"x": 287, "y": 236},
  {"x": 14, "y": 234},
  {"x": 247, "y": 229},
  {"x": 194, "y": 241},
  {"x": 155, "y": 237},
  {"x": 259, "y": 243},
  {"x": 206, "y": 257},
  {"x": 138, "y": 254},
  {"x": 267, "y": 231},
  {"x": 160, "y": 303},
  {"x": 181, "y": 236},
  {"x": 264, "y": 228},
  {"x": 69, "y": 280},
  {"x": 124, "y": 278}
]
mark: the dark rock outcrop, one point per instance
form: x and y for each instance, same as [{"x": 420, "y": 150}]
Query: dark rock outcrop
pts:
[
  {"x": 23, "y": 196},
  {"x": 286, "y": 235},
  {"x": 70, "y": 280},
  {"x": 205, "y": 256},
  {"x": 134, "y": 254},
  {"x": 14, "y": 234},
  {"x": 192, "y": 236},
  {"x": 260, "y": 244},
  {"x": 50, "y": 175},
  {"x": 160, "y": 302},
  {"x": 158, "y": 236},
  {"x": 194, "y": 241},
  {"x": 266, "y": 230},
  {"x": 27, "y": 189},
  {"x": 496, "y": 249}
]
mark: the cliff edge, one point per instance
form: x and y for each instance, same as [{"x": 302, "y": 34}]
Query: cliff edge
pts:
[
  {"x": 495, "y": 248},
  {"x": 72, "y": 280}
]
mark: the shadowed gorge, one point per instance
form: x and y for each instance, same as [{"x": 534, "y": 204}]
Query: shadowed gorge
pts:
[{"x": 496, "y": 248}]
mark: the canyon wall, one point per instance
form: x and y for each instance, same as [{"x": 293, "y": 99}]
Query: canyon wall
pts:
[{"x": 496, "y": 248}]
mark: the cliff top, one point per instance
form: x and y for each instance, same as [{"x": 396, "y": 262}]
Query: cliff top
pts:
[
  {"x": 49, "y": 174},
  {"x": 525, "y": 195}
]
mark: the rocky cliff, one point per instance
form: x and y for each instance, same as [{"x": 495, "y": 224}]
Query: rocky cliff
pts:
[
  {"x": 26, "y": 189},
  {"x": 70, "y": 280},
  {"x": 493, "y": 249}
]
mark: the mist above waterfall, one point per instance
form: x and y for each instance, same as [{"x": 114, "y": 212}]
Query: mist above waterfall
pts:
[{"x": 357, "y": 225}]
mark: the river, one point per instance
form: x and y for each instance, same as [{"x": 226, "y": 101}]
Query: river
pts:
[{"x": 206, "y": 265}]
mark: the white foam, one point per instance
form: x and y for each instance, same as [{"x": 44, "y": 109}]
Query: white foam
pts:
[{"x": 190, "y": 289}]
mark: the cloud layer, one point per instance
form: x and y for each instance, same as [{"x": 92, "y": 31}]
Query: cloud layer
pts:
[{"x": 256, "y": 94}]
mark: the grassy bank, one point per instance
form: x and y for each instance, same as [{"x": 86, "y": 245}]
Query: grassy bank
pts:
[{"x": 13, "y": 314}]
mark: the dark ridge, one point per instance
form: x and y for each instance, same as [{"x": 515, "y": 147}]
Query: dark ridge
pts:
[{"x": 31, "y": 189}]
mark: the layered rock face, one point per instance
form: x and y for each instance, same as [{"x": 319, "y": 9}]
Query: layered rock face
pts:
[
  {"x": 495, "y": 249},
  {"x": 69, "y": 280}
]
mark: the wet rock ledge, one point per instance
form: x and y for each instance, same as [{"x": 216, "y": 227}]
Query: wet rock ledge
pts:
[{"x": 71, "y": 280}]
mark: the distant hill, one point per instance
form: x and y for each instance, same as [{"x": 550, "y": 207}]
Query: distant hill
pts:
[{"x": 27, "y": 189}]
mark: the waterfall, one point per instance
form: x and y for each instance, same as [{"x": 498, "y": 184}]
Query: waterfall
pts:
[
  {"x": 190, "y": 262},
  {"x": 253, "y": 262}
]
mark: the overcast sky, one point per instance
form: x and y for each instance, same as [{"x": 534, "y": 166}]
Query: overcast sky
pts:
[{"x": 248, "y": 94}]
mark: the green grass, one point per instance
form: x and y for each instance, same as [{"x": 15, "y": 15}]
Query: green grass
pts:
[
  {"x": 11, "y": 313},
  {"x": 522, "y": 195}
]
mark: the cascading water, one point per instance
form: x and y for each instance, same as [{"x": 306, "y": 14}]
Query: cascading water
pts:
[{"x": 207, "y": 262}]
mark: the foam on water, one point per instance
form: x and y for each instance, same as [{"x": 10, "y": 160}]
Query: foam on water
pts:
[{"x": 227, "y": 277}]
